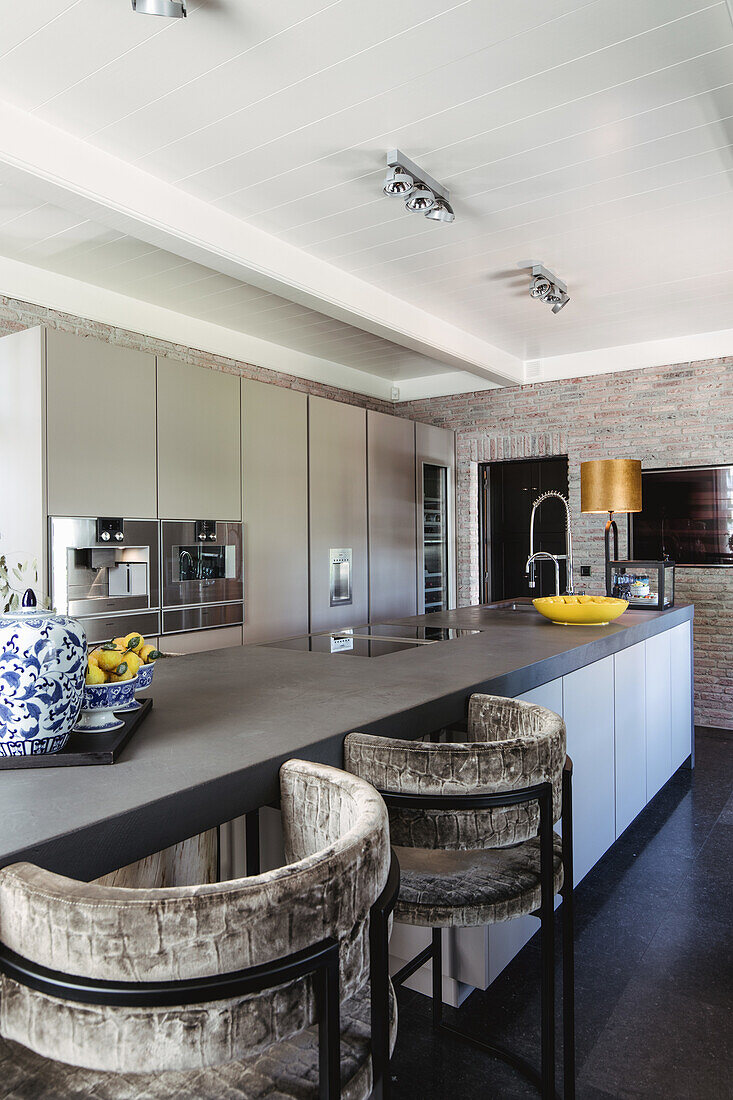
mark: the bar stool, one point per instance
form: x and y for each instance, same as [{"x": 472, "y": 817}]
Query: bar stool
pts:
[
  {"x": 471, "y": 823},
  {"x": 276, "y": 984}
]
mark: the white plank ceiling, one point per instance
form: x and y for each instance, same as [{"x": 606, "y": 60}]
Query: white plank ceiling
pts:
[{"x": 596, "y": 137}]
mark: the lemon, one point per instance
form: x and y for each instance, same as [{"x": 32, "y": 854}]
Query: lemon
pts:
[
  {"x": 149, "y": 653},
  {"x": 134, "y": 641},
  {"x": 92, "y": 658},
  {"x": 95, "y": 675},
  {"x": 108, "y": 659},
  {"x": 122, "y": 672},
  {"x": 132, "y": 661}
]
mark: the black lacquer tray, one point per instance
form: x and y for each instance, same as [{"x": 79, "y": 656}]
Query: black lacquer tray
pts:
[{"x": 85, "y": 748}]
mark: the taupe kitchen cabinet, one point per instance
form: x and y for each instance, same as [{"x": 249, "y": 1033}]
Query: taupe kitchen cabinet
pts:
[
  {"x": 338, "y": 513},
  {"x": 275, "y": 511},
  {"x": 199, "y": 459},
  {"x": 100, "y": 428},
  {"x": 392, "y": 522},
  {"x": 435, "y": 487}
]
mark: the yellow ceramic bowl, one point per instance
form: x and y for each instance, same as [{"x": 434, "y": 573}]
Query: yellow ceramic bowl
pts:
[{"x": 581, "y": 610}]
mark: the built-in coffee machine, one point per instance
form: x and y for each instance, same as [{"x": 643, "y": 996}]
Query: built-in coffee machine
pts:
[{"x": 105, "y": 572}]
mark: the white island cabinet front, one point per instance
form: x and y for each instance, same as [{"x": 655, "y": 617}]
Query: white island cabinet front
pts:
[{"x": 629, "y": 727}]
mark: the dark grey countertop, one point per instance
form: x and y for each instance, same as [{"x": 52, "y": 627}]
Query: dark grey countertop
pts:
[{"x": 224, "y": 721}]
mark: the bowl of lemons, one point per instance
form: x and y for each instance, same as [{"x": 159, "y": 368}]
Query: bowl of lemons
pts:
[
  {"x": 115, "y": 671},
  {"x": 580, "y": 610}
]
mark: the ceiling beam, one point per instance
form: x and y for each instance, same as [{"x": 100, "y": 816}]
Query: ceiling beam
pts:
[{"x": 70, "y": 172}]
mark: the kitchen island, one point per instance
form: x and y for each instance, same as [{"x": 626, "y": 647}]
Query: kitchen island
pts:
[{"x": 224, "y": 721}]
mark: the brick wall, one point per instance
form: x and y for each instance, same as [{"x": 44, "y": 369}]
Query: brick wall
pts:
[
  {"x": 16, "y": 315},
  {"x": 670, "y": 416}
]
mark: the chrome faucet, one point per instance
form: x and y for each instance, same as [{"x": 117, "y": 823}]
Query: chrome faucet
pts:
[{"x": 567, "y": 557}]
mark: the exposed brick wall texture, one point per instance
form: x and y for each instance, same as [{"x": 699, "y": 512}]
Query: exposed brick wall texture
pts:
[
  {"x": 16, "y": 315},
  {"x": 667, "y": 416}
]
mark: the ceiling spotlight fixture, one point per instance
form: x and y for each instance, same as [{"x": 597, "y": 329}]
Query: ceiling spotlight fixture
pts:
[
  {"x": 170, "y": 9},
  {"x": 541, "y": 287},
  {"x": 546, "y": 287},
  {"x": 441, "y": 212},
  {"x": 422, "y": 194},
  {"x": 421, "y": 201},
  {"x": 398, "y": 182}
]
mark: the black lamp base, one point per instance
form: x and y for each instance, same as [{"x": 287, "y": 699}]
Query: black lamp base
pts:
[{"x": 610, "y": 526}]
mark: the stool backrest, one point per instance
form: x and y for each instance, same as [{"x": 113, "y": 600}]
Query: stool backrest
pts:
[
  {"x": 336, "y": 835},
  {"x": 510, "y": 745}
]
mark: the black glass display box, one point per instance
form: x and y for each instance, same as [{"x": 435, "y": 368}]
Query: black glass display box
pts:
[{"x": 646, "y": 584}]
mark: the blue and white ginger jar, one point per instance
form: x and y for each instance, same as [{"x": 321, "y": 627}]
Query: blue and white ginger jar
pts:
[{"x": 42, "y": 664}]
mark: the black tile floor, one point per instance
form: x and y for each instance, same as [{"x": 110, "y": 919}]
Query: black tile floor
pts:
[{"x": 654, "y": 966}]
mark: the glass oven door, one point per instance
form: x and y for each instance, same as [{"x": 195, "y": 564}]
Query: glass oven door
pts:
[{"x": 200, "y": 571}]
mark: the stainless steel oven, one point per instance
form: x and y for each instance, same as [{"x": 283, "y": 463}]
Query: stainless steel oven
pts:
[
  {"x": 105, "y": 572},
  {"x": 203, "y": 583}
]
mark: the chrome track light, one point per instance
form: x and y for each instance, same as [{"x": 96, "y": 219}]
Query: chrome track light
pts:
[
  {"x": 421, "y": 201},
  {"x": 441, "y": 212},
  {"x": 398, "y": 182},
  {"x": 541, "y": 287},
  {"x": 170, "y": 9},
  {"x": 546, "y": 287},
  {"x": 422, "y": 194},
  {"x": 562, "y": 302}
]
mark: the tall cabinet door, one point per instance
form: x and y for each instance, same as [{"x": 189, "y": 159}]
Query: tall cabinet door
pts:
[
  {"x": 275, "y": 511},
  {"x": 588, "y": 713},
  {"x": 658, "y": 713},
  {"x": 436, "y": 508},
  {"x": 680, "y": 642},
  {"x": 199, "y": 437},
  {"x": 338, "y": 514},
  {"x": 630, "y": 711},
  {"x": 102, "y": 397},
  {"x": 392, "y": 545}
]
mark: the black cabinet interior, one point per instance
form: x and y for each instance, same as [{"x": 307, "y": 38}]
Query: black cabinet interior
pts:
[{"x": 506, "y": 493}]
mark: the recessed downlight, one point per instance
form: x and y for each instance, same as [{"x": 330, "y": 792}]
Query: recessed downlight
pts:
[{"x": 169, "y": 9}]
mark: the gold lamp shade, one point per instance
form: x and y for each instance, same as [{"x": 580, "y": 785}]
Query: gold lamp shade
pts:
[{"x": 610, "y": 485}]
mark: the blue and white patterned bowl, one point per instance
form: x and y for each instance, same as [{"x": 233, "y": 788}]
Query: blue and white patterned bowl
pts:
[
  {"x": 42, "y": 662},
  {"x": 144, "y": 680},
  {"x": 99, "y": 704}
]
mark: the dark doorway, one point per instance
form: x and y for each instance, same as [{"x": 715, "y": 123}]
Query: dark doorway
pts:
[{"x": 506, "y": 493}]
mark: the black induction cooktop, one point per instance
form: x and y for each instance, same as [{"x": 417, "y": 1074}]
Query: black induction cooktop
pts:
[
  {"x": 377, "y": 640},
  {"x": 415, "y": 633},
  {"x": 346, "y": 644}
]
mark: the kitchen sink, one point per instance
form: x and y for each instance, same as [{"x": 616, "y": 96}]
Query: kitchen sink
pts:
[{"x": 511, "y": 605}]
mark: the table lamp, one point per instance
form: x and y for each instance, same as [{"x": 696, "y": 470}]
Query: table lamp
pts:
[{"x": 610, "y": 485}]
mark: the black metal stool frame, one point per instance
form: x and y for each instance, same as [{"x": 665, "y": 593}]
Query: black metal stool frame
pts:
[
  {"x": 541, "y": 793},
  {"x": 321, "y": 960}
]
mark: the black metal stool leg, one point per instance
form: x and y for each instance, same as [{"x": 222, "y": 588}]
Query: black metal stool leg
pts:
[
  {"x": 568, "y": 938},
  {"x": 252, "y": 841},
  {"x": 437, "y": 976},
  {"x": 547, "y": 917}
]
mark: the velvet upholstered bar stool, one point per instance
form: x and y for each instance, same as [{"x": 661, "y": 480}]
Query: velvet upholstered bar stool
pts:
[
  {"x": 275, "y": 985},
  {"x": 472, "y": 826}
]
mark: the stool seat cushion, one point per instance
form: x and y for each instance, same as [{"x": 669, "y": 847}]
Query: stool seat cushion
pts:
[
  {"x": 286, "y": 1071},
  {"x": 446, "y": 888}
]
